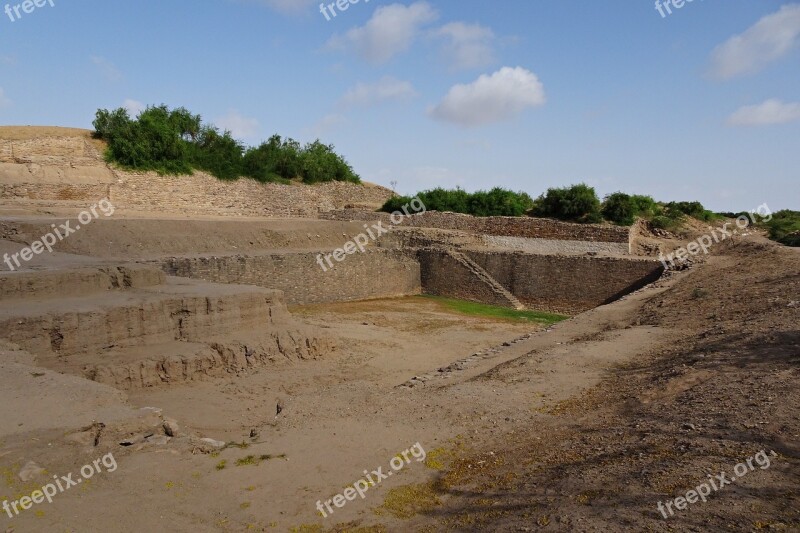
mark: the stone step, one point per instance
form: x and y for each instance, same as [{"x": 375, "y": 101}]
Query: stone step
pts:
[
  {"x": 180, "y": 309},
  {"x": 486, "y": 278},
  {"x": 180, "y": 331},
  {"x": 52, "y": 283}
]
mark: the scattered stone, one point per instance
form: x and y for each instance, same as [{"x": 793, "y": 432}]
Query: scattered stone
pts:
[
  {"x": 690, "y": 427},
  {"x": 213, "y": 443},
  {"x": 160, "y": 440},
  {"x": 171, "y": 428},
  {"x": 279, "y": 407},
  {"x": 253, "y": 433},
  {"x": 30, "y": 471}
]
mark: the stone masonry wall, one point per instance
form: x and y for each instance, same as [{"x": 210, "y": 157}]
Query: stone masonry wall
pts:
[
  {"x": 55, "y": 169},
  {"x": 373, "y": 274},
  {"x": 568, "y": 284},
  {"x": 527, "y": 227},
  {"x": 442, "y": 275},
  {"x": 205, "y": 194}
]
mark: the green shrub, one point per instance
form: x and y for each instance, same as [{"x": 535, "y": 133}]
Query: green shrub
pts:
[
  {"x": 319, "y": 162},
  {"x": 496, "y": 202},
  {"x": 176, "y": 142},
  {"x": 619, "y": 208},
  {"x": 645, "y": 206},
  {"x": 784, "y": 227},
  {"x": 665, "y": 223},
  {"x": 275, "y": 160},
  {"x": 217, "y": 153},
  {"x": 578, "y": 203}
]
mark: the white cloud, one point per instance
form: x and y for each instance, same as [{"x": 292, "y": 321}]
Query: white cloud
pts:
[
  {"x": 769, "y": 112},
  {"x": 326, "y": 124},
  {"x": 491, "y": 98},
  {"x": 766, "y": 41},
  {"x": 4, "y": 100},
  {"x": 241, "y": 127},
  {"x": 468, "y": 45},
  {"x": 107, "y": 68},
  {"x": 386, "y": 89},
  {"x": 134, "y": 107},
  {"x": 391, "y": 30}
]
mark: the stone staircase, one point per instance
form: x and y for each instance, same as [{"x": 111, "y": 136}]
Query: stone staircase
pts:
[{"x": 485, "y": 278}]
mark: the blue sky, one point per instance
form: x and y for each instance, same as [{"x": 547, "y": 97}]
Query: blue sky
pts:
[{"x": 700, "y": 104}]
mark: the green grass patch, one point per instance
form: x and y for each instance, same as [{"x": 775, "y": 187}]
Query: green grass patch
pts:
[{"x": 495, "y": 311}]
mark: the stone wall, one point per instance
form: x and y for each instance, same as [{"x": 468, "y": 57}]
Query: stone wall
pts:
[
  {"x": 552, "y": 246},
  {"x": 62, "y": 168},
  {"x": 526, "y": 227},
  {"x": 443, "y": 275},
  {"x": 563, "y": 284},
  {"x": 205, "y": 194},
  {"x": 568, "y": 284},
  {"x": 373, "y": 274}
]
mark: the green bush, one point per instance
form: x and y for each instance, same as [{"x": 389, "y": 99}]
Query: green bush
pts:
[
  {"x": 784, "y": 227},
  {"x": 319, "y": 162},
  {"x": 578, "y": 203},
  {"x": 619, "y": 208},
  {"x": 496, "y": 202},
  {"x": 692, "y": 209},
  {"x": 275, "y": 160},
  {"x": 176, "y": 142},
  {"x": 645, "y": 206}
]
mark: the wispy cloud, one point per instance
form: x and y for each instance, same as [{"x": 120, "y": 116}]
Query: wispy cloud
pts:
[
  {"x": 241, "y": 127},
  {"x": 766, "y": 41},
  {"x": 107, "y": 68},
  {"x": 391, "y": 31},
  {"x": 466, "y": 46},
  {"x": 770, "y": 112},
  {"x": 134, "y": 107},
  {"x": 491, "y": 98},
  {"x": 384, "y": 90}
]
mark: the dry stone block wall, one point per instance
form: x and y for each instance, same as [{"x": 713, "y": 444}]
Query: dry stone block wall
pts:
[
  {"x": 205, "y": 194},
  {"x": 374, "y": 274},
  {"x": 568, "y": 284},
  {"x": 57, "y": 169},
  {"x": 565, "y": 284},
  {"x": 525, "y": 227},
  {"x": 442, "y": 274}
]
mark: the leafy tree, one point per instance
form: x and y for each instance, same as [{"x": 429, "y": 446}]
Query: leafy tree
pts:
[
  {"x": 319, "y": 162},
  {"x": 578, "y": 203},
  {"x": 619, "y": 208},
  {"x": 177, "y": 142},
  {"x": 645, "y": 206},
  {"x": 218, "y": 153},
  {"x": 496, "y": 202}
]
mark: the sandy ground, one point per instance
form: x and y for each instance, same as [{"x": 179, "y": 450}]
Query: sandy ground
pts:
[{"x": 584, "y": 426}]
